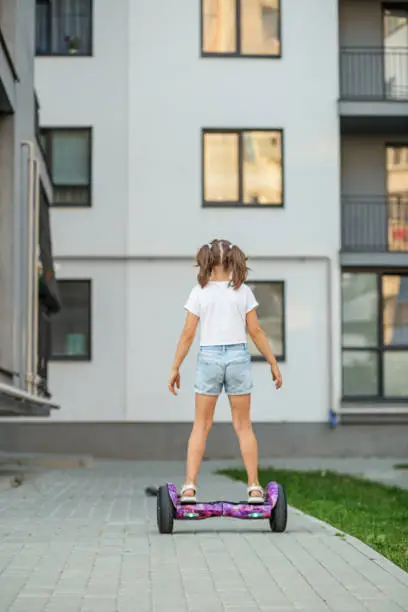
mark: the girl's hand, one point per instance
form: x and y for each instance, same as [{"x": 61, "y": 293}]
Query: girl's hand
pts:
[
  {"x": 174, "y": 382},
  {"x": 276, "y": 375}
]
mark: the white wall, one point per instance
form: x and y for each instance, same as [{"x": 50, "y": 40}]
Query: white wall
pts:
[
  {"x": 95, "y": 390},
  {"x": 155, "y": 316},
  {"x": 92, "y": 91},
  {"x": 147, "y": 94},
  {"x": 173, "y": 94}
]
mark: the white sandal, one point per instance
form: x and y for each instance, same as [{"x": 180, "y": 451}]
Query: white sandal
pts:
[
  {"x": 188, "y": 499},
  {"x": 256, "y": 499}
]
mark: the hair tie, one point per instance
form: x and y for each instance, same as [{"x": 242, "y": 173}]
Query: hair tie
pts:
[
  {"x": 209, "y": 245},
  {"x": 231, "y": 245}
]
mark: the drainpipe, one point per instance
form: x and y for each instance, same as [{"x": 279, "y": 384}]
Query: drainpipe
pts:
[{"x": 27, "y": 237}]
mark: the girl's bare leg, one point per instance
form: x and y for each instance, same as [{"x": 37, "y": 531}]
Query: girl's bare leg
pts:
[
  {"x": 241, "y": 420},
  {"x": 204, "y": 415}
]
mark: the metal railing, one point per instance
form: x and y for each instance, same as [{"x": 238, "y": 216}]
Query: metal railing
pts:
[
  {"x": 374, "y": 73},
  {"x": 375, "y": 224}
]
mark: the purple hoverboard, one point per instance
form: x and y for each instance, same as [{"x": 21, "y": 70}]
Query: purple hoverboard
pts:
[{"x": 170, "y": 509}]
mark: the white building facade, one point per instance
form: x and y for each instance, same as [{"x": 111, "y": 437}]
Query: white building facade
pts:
[{"x": 166, "y": 127}]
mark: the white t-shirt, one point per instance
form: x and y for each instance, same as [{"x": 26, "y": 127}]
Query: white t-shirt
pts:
[{"x": 222, "y": 311}]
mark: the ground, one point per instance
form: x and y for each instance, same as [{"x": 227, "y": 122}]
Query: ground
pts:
[{"x": 85, "y": 540}]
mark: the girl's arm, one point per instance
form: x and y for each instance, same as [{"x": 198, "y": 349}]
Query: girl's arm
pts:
[
  {"x": 184, "y": 345},
  {"x": 261, "y": 342}
]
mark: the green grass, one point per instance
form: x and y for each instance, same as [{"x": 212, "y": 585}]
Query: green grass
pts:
[
  {"x": 374, "y": 513},
  {"x": 401, "y": 466}
]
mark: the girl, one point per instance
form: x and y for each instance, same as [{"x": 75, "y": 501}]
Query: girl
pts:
[{"x": 225, "y": 306}]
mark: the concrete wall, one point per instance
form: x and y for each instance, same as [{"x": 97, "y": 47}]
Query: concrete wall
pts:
[
  {"x": 148, "y": 94},
  {"x": 96, "y": 390},
  {"x": 175, "y": 94},
  {"x": 93, "y": 91},
  {"x": 168, "y": 441},
  {"x": 17, "y": 23}
]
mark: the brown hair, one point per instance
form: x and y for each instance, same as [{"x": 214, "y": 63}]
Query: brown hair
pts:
[{"x": 221, "y": 252}]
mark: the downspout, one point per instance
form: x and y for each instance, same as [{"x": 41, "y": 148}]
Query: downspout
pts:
[
  {"x": 35, "y": 276},
  {"x": 27, "y": 238}
]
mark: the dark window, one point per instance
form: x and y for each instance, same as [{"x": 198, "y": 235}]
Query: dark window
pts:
[
  {"x": 68, "y": 155},
  {"x": 247, "y": 28},
  {"x": 271, "y": 313},
  {"x": 64, "y": 27},
  {"x": 375, "y": 335},
  {"x": 71, "y": 327},
  {"x": 242, "y": 168}
]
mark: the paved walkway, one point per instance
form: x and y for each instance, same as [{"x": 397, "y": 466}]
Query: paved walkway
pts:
[{"x": 85, "y": 540}]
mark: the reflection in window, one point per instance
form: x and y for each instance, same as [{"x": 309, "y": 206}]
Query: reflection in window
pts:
[
  {"x": 221, "y": 167},
  {"x": 219, "y": 26},
  {"x": 243, "y": 168},
  {"x": 375, "y": 364},
  {"x": 241, "y": 27},
  {"x": 395, "y": 374},
  {"x": 271, "y": 316},
  {"x": 262, "y": 172},
  {"x": 395, "y": 27},
  {"x": 360, "y": 310},
  {"x": 395, "y": 310},
  {"x": 71, "y": 328},
  {"x": 397, "y": 188},
  {"x": 360, "y": 373},
  {"x": 260, "y": 27},
  {"x": 68, "y": 154}
]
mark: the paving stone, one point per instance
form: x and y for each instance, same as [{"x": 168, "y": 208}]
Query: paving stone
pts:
[{"x": 86, "y": 541}]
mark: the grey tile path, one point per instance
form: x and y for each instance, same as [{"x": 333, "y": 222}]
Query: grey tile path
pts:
[{"x": 85, "y": 540}]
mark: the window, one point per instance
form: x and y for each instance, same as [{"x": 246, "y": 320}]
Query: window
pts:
[
  {"x": 375, "y": 335},
  {"x": 242, "y": 168},
  {"x": 71, "y": 327},
  {"x": 271, "y": 313},
  {"x": 68, "y": 155},
  {"x": 397, "y": 190},
  {"x": 64, "y": 27},
  {"x": 246, "y": 28}
]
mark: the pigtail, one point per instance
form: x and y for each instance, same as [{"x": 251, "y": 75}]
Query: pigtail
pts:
[
  {"x": 221, "y": 252},
  {"x": 237, "y": 263},
  {"x": 205, "y": 263}
]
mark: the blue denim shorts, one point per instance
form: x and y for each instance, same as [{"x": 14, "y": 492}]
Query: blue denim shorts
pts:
[{"x": 224, "y": 367}]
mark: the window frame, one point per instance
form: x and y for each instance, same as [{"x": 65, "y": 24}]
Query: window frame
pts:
[
  {"x": 88, "y": 356},
  {"x": 283, "y": 357},
  {"x": 240, "y": 204},
  {"x": 238, "y": 42},
  {"x": 46, "y": 131},
  {"x": 380, "y": 349},
  {"x": 49, "y": 53}
]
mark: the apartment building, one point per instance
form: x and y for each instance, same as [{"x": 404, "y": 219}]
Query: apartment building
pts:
[
  {"x": 28, "y": 296},
  {"x": 281, "y": 127}
]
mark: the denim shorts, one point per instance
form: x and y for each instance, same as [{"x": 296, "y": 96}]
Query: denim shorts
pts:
[{"x": 224, "y": 367}]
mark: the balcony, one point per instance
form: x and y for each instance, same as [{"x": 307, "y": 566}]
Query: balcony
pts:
[
  {"x": 375, "y": 226},
  {"x": 374, "y": 88}
]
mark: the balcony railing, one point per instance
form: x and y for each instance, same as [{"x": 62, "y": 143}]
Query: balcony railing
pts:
[
  {"x": 374, "y": 74},
  {"x": 375, "y": 224}
]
